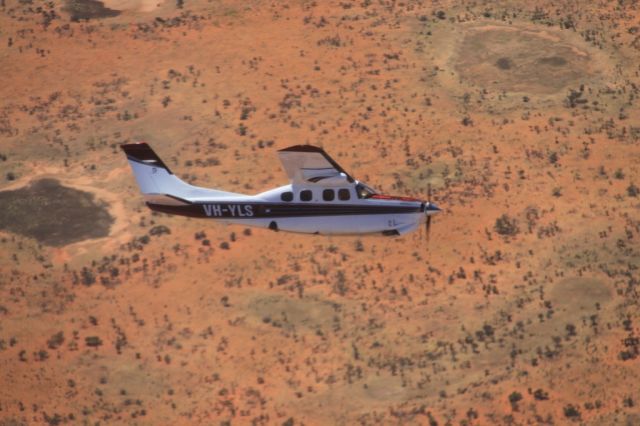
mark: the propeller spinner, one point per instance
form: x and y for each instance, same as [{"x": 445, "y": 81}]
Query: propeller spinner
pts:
[{"x": 429, "y": 209}]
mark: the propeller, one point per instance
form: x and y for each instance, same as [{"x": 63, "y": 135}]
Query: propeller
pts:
[
  {"x": 427, "y": 223},
  {"x": 429, "y": 209}
]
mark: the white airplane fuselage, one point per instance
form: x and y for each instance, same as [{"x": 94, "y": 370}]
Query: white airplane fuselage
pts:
[
  {"x": 317, "y": 216},
  {"x": 337, "y": 205}
]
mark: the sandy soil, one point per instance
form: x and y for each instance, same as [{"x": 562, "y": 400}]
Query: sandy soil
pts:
[
  {"x": 521, "y": 309},
  {"x": 134, "y": 5}
]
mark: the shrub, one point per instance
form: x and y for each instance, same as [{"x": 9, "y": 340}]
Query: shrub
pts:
[
  {"x": 159, "y": 230},
  {"x": 87, "y": 276},
  {"x": 56, "y": 340},
  {"x": 506, "y": 226},
  {"x": 540, "y": 395},
  {"x": 93, "y": 341},
  {"x": 571, "y": 411},
  {"x": 515, "y": 397}
]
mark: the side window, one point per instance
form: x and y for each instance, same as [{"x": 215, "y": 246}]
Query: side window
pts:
[
  {"x": 344, "y": 194},
  {"x": 286, "y": 196},
  {"x": 306, "y": 195},
  {"x": 328, "y": 195}
]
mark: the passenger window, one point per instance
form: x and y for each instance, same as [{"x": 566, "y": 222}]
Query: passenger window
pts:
[
  {"x": 328, "y": 195},
  {"x": 286, "y": 196},
  {"x": 343, "y": 194},
  {"x": 306, "y": 195}
]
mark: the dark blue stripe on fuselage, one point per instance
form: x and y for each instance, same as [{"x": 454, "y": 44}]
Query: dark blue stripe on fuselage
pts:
[{"x": 278, "y": 210}]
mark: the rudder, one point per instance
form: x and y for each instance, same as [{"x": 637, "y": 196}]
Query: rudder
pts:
[{"x": 148, "y": 169}]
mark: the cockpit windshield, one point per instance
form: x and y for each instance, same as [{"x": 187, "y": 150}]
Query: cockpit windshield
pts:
[{"x": 364, "y": 191}]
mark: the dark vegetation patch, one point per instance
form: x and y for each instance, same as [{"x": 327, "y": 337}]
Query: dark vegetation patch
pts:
[
  {"x": 53, "y": 214},
  {"x": 88, "y": 9}
]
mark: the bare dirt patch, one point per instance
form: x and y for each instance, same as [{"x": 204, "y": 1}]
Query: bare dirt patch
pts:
[
  {"x": 310, "y": 313},
  {"x": 521, "y": 60},
  {"x": 579, "y": 293},
  {"x": 53, "y": 214},
  {"x": 133, "y": 5}
]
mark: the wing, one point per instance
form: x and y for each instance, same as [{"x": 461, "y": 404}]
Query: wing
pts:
[{"x": 310, "y": 164}]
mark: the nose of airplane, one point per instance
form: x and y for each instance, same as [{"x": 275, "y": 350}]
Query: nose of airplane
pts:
[{"x": 431, "y": 209}]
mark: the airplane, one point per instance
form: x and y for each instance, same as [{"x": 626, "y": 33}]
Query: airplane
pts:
[{"x": 322, "y": 198}]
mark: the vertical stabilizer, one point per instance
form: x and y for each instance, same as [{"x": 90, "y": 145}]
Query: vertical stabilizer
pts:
[{"x": 155, "y": 178}]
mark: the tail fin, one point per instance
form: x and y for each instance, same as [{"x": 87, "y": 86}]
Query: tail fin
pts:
[{"x": 155, "y": 179}]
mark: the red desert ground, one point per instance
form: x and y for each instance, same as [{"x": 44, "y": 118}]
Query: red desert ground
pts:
[{"x": 521, "y": 308}]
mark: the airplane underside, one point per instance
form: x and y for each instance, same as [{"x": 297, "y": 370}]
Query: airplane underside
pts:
[
  {"x": 343, "y": 222},
  {"x": 386, "y": 225}
]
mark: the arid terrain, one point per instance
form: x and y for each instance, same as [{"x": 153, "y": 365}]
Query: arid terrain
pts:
[{"x": 522, "y": 308}]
